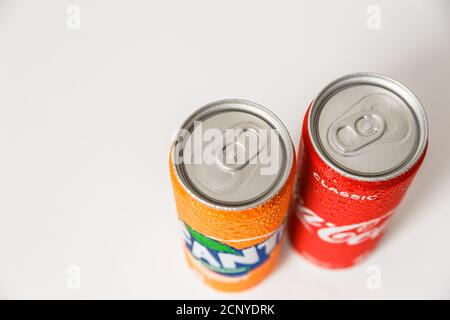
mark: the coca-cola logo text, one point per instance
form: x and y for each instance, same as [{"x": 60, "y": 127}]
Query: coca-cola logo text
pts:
[{"x": 352, "y": 234}]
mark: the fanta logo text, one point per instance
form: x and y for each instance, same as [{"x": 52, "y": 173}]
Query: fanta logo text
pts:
[
  {"x": 225, "y": 259},
  {"x": 343, "y": 193},
  {"x": 350, "y": 234}
]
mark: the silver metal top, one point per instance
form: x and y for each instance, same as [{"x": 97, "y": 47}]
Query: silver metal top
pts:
[
  {"x": 233, "y": 154},
  {"x": 368, "y": 126}
]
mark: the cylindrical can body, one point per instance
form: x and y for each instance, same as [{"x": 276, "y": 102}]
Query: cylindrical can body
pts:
[
  {"x": 338, "y": 216},
  {"x": 232, "y": 231}
]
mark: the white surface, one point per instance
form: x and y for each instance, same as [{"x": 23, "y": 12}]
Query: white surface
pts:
[{"x": 86, "y": 118}]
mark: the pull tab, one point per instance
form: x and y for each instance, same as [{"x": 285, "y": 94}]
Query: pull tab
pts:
[
  {"x": 357, "y": 131},
  {"x": 235, "y": 155}
]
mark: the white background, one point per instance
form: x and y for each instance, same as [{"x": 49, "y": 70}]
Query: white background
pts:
[{"x": 86, "y": 118}]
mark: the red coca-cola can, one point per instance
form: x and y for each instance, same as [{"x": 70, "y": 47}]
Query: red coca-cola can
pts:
[{"x": 363, "y": 140}]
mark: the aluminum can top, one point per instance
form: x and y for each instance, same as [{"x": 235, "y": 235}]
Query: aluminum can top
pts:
[
  {"x": 233, "y": 154},
  {"x": 368, "y": 127}
]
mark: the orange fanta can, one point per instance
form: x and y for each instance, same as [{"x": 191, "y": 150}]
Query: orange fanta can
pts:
[{"x": 232, "y": 170}]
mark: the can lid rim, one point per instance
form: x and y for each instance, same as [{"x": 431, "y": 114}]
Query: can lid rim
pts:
[
  {"x": 243, "y": 106},
  {"x": 369, "y": 78}
]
